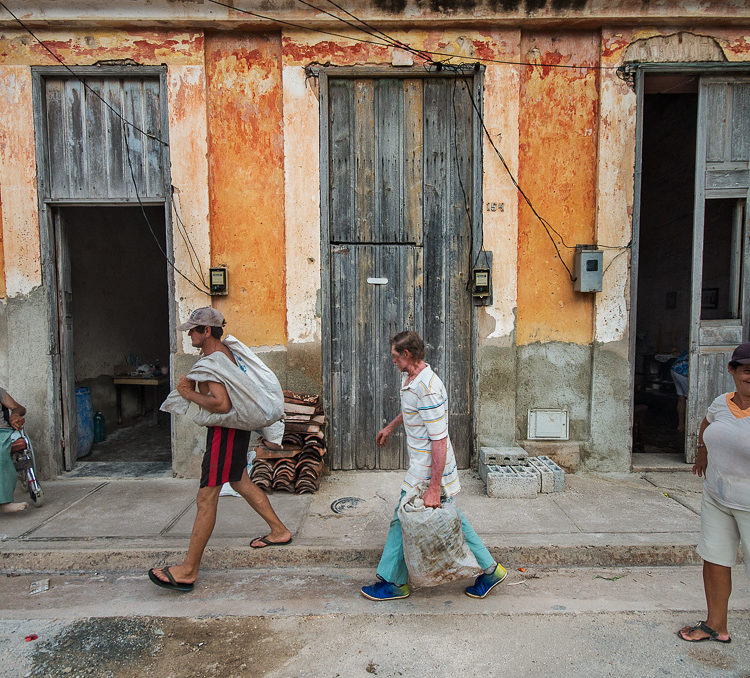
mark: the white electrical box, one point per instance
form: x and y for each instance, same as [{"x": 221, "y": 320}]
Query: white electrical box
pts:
[
  {"x": 547, "y": 425},
  {"x": 588, "y": 269}
]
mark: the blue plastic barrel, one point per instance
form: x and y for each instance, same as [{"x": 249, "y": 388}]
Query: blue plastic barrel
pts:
[{"x": 85, "y": 420}]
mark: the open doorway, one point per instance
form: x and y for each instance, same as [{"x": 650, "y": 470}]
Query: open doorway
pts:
[
  {"x": 665, "y": 251},
  {"x": 120, "y": 332}
]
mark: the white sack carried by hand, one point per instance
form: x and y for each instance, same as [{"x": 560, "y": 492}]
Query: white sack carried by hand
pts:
[
  {"x": 435, "y": 550},
  {"x": 256, "y": 396}
]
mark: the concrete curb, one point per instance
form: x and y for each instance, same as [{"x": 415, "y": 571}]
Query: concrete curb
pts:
[{"x": 20, "y": 561}]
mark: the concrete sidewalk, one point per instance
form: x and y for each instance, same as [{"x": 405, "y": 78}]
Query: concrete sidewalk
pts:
[{"x": 94, "y": 524}]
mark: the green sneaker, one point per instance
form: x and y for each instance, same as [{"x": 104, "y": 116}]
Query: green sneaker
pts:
[{"x": 484, "y": 583}]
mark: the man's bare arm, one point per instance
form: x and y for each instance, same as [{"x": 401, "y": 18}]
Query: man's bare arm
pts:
[
  {"x": 212, "y": 397},
  {"x": 382, "y": 436},
  {"x": 17, "y": 412},
  {"x": 439, "y": 453}
]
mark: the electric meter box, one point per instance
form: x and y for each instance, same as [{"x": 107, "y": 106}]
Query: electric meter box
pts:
[{"x": 588, "y": 269}]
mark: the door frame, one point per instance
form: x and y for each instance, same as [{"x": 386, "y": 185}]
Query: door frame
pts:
[
  {"x": 47, "y": 208},
  {"x": 639, "y": 71},
  {"x": 476, "y": 77}
]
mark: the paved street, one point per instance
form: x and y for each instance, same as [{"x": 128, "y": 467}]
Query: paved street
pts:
[{"x": 312, "y": 622}]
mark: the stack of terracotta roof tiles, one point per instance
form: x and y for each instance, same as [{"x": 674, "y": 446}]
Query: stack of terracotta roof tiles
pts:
[{"x": 296, "y": 467}]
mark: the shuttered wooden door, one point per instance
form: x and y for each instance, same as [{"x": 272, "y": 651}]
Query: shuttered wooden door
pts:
[
  {"x": 88, "y": 146},
  {"x": 399, "y": 187},
  {"x": 720, "y": 310}
]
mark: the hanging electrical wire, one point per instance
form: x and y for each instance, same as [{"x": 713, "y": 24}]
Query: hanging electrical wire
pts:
[
  {"x": 128, "y": 123},
  {"x": 460, "y": 70},
  {"x": 81, "y": 80},
  {"x": 148, "y": 222},
  {"x": 195, "y": 262}
]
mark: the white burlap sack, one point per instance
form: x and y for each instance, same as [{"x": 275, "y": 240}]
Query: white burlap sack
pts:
[{"x": 434, "y": 547}]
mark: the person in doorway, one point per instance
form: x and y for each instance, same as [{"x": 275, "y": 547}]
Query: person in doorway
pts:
[
  {"x": 8, "y": 474},
  {"x": 723, "y": 457},
  {"x": 679, "y": 374},
  {"x": 225, "y": 459},
  {"x": 424, "y": 415}
]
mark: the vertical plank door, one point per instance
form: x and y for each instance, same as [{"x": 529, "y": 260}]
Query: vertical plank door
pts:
[{"x": 399, "y": 187}]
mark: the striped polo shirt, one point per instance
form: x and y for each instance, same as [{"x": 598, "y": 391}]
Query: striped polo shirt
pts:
[{"x": 424, "y": 404}]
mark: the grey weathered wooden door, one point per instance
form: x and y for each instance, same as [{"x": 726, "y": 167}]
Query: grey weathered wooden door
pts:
[
  {"x": 398, "y": 184},
  {"x": 90, "y": 152},
  {"x": 720, "y": 309},
  {"x": 65, "y": 315}
]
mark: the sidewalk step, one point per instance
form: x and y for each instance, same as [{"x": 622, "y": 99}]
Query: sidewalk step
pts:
[{"x": 27, "y": 557}]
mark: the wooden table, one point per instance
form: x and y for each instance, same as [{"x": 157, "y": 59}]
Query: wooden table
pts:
[{"x": 142, "y": 382}]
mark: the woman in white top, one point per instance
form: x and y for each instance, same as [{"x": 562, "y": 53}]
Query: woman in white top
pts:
[{"x": 723, "y": 457}]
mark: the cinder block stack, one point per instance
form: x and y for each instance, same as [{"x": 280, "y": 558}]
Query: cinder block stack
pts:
[
  {"x": 509, "y": 473},
  {"x": 297, "y": 466}
]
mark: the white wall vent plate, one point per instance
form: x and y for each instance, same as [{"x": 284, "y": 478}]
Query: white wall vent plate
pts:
[{"x": 548, "y": 425}]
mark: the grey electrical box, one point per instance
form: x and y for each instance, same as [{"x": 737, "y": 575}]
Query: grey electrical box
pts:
[{"x": 588, "y": 269}]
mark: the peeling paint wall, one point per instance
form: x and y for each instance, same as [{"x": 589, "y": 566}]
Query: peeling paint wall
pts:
[
  {"x": 244, "y": 128},
  {"x": 247, "y": 182},
  {"x": 558, "y": 128},
  {"x": 33, "y": 377}
]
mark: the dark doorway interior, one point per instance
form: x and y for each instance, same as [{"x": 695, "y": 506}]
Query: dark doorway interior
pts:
[
  {"x": 665, "y": 255},
  {"x": 120, "y": 326}
]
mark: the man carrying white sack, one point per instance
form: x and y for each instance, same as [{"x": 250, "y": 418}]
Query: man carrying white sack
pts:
[
  {"x": 237, "y": 394},
  {"x": 424, "y": 415}
]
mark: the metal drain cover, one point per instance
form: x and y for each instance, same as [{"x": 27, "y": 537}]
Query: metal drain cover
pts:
[{"x": 346, "y": 504}]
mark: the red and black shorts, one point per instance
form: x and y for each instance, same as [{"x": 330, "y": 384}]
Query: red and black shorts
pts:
[{"x": 226, "y": 456}]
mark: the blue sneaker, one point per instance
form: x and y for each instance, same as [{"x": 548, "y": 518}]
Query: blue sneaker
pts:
[
  {"x": 484, "y": 583},
  {"x": 384, "y": 590}
]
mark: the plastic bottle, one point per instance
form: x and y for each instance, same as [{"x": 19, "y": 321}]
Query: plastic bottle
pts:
[{"x": 99, "y": 430}]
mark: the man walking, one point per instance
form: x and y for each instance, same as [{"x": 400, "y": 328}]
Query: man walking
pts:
[
  {"x": 424, "y": 415},
  {"x": 223, "y": 369}
]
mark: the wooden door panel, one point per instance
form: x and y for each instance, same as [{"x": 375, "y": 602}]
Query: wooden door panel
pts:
[
  {"x": 722, "y": 155},
  {"x": 65, "y": 328},
  {"x": 87, "y": 143},
  {"x": 375, "y": 293},
  {"x": 399, "y": 171}
]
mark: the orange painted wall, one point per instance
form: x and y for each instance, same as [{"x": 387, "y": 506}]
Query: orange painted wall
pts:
[
  {"x": 246, "y": 182},
  {"x": 557, "y": 160}
]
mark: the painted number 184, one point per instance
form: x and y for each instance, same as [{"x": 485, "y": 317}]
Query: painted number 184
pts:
[{"x": 495, "y": 207}]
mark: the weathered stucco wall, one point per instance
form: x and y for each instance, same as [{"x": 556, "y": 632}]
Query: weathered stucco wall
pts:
[
  {"x": 558, "y": 127},
  {"x": 33, "y": 376},
  {"x": 246, "y": 189},
  {"x": 496, "y": 325}
]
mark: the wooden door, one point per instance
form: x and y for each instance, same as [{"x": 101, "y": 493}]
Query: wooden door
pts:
[
  {"x": 65, "y": 329},
  {"x": 720, "y": 309},
  {"x": 398, "y": 186},
  {"x": 91, "y": 154}
]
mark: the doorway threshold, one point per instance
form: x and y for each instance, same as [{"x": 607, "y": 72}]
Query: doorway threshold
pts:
[
  {"x": 649, "y": 462},
  {"x": 121, "y": 469}
]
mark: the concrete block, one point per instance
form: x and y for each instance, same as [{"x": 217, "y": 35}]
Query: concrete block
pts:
[
  {"x": 503, "y": 456},
  {"x": 483, "y": 470},
  {"x": 546, "y": 476},
  {"x": 566, "y": 453},
  {"x": 507, "y": 482},
  {"x": 557, "y": 472}
]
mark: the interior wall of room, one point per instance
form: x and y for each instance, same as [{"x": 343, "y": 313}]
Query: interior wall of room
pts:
[
  {"x": 120, "y": 297},
  {"x": 666, "y": 225}
]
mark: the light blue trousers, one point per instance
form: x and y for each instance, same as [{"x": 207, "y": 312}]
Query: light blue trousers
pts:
[
  {"x": 8, "y": 475},
  {"x": 392, "y": 565}
]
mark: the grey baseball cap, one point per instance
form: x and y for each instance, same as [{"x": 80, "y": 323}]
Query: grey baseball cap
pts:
[{"x": 203, "y": 316}]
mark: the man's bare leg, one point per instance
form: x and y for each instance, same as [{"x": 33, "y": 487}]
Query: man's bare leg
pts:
[
  {"x": 205, "y": 519},
  {"x": 258, "y": 500}
]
